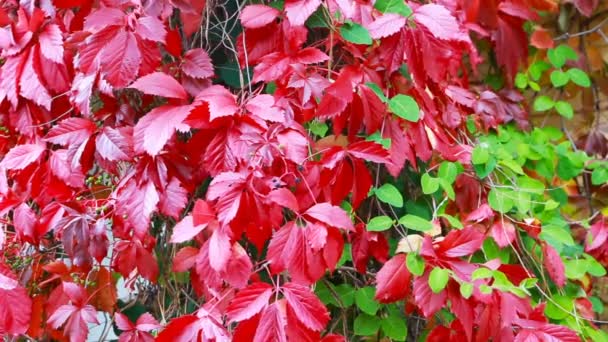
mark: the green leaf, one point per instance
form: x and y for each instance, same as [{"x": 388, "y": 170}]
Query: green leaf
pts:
[
  {"x": 448, "y": 171},
  {"x": 599, "y": 176},
  {"x": 376, "y": 89},
  {"x": 564, "y": 109},
  {"x": 416, "y": 223},
  {"x": 553, "y": 233},
  {"x": 438, "y": 279},
  {"x": 389, "y": 194},
  {"x": 346, "y": 293},
  {"x": 447, "y": 186},
  {"x": 366, "y": 325},
  {"x": 466, "y": 290},
  {"x": 429, "y": 183},
  {"x": 531, "y": 185},
  {"x": 480, "y": 155},
  {"x": 482, "y": 273},
  {"x": 559, "y": 307},
  {"x": 521, "y": 80},
  {"x": 559, "y": 78},
  {"x": 364, "y": 298},
  {"x": 500, "y": 200},
  {"x": 393, "y": 6},
  {"x": 379, "y": 224},
  {"x": 404, "y": 107},
  {"x": 394, "y": 327},
  {"x": 454, "y": 222},
  {"x": 534, "y": 86},
  {"x": 325, "y": 294},
  {"x": 579, "y": 77},
  {"x": 377, "y": 138},
  {"x": 594, "y": 268},
  {"x": 318, "y": 128},
  {"x": 513, "y": 166},
  {"x": 576, "y": 268},
  {"x": 415, "y": 264},
  {"x": 537, "y": 69},
  {"x": 560, "y": 55},
  {"x": 355, "y": 33},
  {"x": 543, "y": 103}
]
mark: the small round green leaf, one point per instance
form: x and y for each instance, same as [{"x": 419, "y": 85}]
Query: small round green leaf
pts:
[
  {"x": 389, "y": 194},
  {"x": 366, "y": 325},
  {"x": 415, "y": 264},
  {"x": 438, "y": 279},
  {"x": 429, "y": 183},
  {"x": 579, "y": 77},
  {"x": 564, "y": 109},
  {"x": 364, "y": 298},
  {"x": 416, "y": 223},
  {"x": 559, "y": 78},
  {"x": 404, "y": 107},
  {"x": 543, "y": 103},
  {"x": 355, "y": 33},
  {"x": 379, "y": 224}
]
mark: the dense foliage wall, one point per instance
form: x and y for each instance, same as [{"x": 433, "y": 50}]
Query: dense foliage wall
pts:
[{"x": 303, "y": 170}]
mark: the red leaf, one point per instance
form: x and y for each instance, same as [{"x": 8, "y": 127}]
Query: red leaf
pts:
[
  {"x": 219, "y": 249},
  {"x": 299, "y": 10},
  {"x": 503, "y": 233},
  {"x": 439, "y": 21},
  {"x": 386, "y": 25},
  {"x": 393, "y": 280},
  {"x": 202, "y": 213},
  {"x": 121, "y": 59},
  {"x": 586, "y": 7},
  {"x": 76, "y": 316},
  {"x": 160, "y": 84},
  {"x": 51, "y": 43},
  {"x": 31, "y": 85},
  {"x": 185, "y": 230},
  {"x": 155, "y": 129},
  {"x": 554, "y": 265},
  {"x": 71, "y": 131},
  {"x": 541, "y": 39},
  {"x": 220, "y": 101},
  {"x": 459, "y": 243},
  {"x": 330, "y": 215},
  {"x": 197, "y": 64},
  {"x": 228, "y": 188},
  {"x": 284, "y": 198},
  {"x": 308, "y": 308},
  {"x": 249, "y": 301},
  {"x": 151, "y": 28},
  {"x": 21, "y": 156},
  {"x": 184, "y": 259},
  {"x": 15, "y": 304},
  {"x": 369, "y": 151},
  {"x": 255, "y": 16},
  {"x": 272, "y": 324},
  {"x": 115, "y": 144}
]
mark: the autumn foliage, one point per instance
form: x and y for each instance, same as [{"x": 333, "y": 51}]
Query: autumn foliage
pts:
[{"x": 303, "y": 170}]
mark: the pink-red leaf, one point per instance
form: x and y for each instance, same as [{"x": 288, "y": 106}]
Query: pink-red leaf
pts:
[
  {"x": 308, "y": 308},
  {"x": 155, "y": 129},
  {"x": 15, "y": 304},
  {"x": 71, "y": 131},
  {"x": 330, "y": 215},
  {"x": 255, "y": 16},
  {"x": 393, "y": 280},
  {"x": 249, "y": 302},
  {"x": 160, "y": 84},
  {"x": 554, "y": 265},
  {"x": 197, "y": 64},
  {"x": 21, "y": 156}
]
